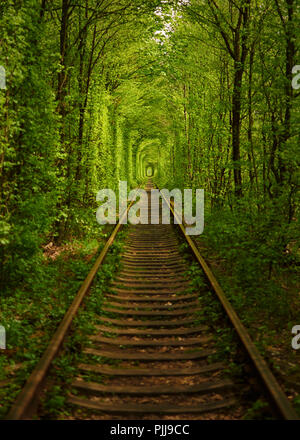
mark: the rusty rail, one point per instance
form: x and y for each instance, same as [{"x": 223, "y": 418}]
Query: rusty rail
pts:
[
  {"x": 26, "y": 397},
  {"x": 275, "y": 393}
]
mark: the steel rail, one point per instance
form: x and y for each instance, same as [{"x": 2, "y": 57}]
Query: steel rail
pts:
[
  {"x": 275, "y": 393},
  {"x": 26, "y": 397}
]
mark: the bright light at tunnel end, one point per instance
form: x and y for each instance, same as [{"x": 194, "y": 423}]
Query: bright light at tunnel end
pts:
[{"x": 139, "y": 213}]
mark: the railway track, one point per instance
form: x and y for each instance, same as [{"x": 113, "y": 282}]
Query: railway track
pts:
[{"x": 153, "y": 353}]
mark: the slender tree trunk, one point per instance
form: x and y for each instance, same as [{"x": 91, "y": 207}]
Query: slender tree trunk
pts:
[
  {"x": 251, "y": 156},
  {"x": 289, "y": 63},
  {"x": 236, "y": 127},
  {"x": 62, "y": 76}
]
